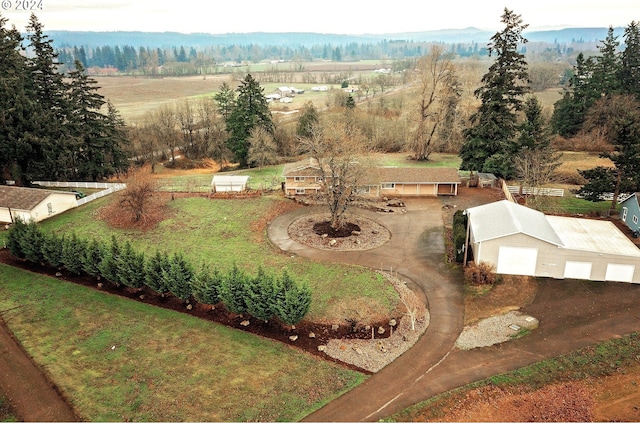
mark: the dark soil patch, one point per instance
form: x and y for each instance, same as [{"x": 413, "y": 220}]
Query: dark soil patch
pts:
[
  {"x": 346, "y": 230},
  {"x": 310, "y": 335}
]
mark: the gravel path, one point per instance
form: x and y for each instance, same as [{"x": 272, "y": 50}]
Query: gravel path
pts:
[{"x": 495, "y": 330}]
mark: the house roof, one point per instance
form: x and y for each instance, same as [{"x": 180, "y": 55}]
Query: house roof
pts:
[
  {"x": 229, "y": 179},
  {"x": 419, "y": 175},
  {"x": 306, "y": 167},
  {"x": 600, "y": 236},
  {"x": 504, "y": 218},
  {"x": 633, "y": 197},
  {"x": 21, "y": 198}
]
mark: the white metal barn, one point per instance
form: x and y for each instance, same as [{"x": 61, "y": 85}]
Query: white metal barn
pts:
[
  {"x": 229, "y": 183},
  {"x": 32, "y": 203},
  {"x": 520, "y": 241}
]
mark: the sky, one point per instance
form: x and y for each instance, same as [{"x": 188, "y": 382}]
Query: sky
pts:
[{"x": 326, "y": 16}]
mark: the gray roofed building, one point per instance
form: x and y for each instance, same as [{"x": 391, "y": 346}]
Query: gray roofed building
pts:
[{"x": 32, "y": 203}]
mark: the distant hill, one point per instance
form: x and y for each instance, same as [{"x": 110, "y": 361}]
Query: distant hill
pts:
[{"x": 308, "y": 39}]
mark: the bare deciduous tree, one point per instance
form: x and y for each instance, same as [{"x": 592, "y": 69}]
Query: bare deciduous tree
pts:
[
  {"x": 339, "y": 151},
  {"x": 263, "y": 150},
  {"x": 137, "y": 196},
  {"x": 436, "y": 95}
]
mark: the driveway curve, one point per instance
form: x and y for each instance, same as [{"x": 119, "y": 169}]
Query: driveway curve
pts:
[{"x": 415, "y": 251}]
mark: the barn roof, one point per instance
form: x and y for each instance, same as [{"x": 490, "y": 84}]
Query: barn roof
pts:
[
  {"x": 592, "y": 235},
  {"x": 21, "y": 198},
  {"x": 504, "y": 218}
]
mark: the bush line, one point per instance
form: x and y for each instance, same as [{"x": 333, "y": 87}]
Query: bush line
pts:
[{"x": 263, "y": 296}]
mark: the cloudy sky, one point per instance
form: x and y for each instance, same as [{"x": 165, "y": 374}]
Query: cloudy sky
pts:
[{"x": 327, "y": 16}]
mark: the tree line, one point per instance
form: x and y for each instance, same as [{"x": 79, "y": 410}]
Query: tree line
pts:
[
  {"x": 263, "y": 296},
  {"x": 52, "y": 126},
  {"x": 508, "y": 135}
]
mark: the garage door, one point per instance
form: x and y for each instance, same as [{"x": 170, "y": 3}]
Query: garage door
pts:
[
  {"x": 620, "y": 272},
  {"x": 577, "y": 270},
  {"x": 517, "y": 261}
]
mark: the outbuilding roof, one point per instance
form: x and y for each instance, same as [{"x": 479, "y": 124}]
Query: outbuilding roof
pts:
[
  {"x": 600, "y": 236},
  {"x": 21, "y": 198},
  {"x": 229, "y": 179},
  {"x": 504, "y": 218}
]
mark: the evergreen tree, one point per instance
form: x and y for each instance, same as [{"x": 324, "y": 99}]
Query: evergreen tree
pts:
[
  {"x": 109, "y": 261},
  {"x": 156, "y": 267},
  {"x": 16, "y": 106},
  {"x": 98, "y": 137},
  {"x": 92, "y": 258},
  {"x": 225, "y": 99},
  {"x": 73, "y": 250},
  {"x": 131, "y": 267},
  {"x": 606, "y": 70},
  {"x": 261, "y": 296},
  {"x": 617, "y": 118},
  {"x": 52, "y": 250},
  {"x": 32, "y": 242},
  {"x": 293, "y": 301},
  {"x": 630, "y": 61},
  {"x": 14, "y": 236},
  {"x": 308, "y": 120},
  {"x": 233, "y": 291},
  {"x": 178, "y": 277},
  {"x": 250, "y": 110},
  {"x": 206, "y": 285},
  {"x": 489, "y": 143}
]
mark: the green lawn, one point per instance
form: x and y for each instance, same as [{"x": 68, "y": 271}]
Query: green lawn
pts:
[
  {"x": 220, "y": 232},
  {"x": 121, "y": 360},
  {"x": 435, "y": 160}
]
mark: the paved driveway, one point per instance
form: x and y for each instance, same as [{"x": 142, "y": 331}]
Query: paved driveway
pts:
[{"x": 415, "y": 250}]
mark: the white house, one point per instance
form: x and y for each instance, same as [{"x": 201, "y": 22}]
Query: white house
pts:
[
  {"x": 518, "y": 240},
  {"x": 229, "y": 183},
  {"x": 32, "y": 203}
]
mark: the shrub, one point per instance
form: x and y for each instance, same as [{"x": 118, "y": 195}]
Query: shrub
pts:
[
  {"x": 261, "y": 296},
  {"x": 14, "y": 237},
  {"x": 155, "y": 268},
  {"x": 178, "y": 277},
  {"x": 109, "y": 261},
  {"x": 131, "y": 268},
  {"x": 293, "y": 301},
  {"x": 480, "y": 274},
  {"x": 206, "y": 285},
  {"x": 73, "y": 250},
  {"x": 459, "y": 234},
  {"x": 233, "y": 290},
  {"x": 31, "y": 243},
  {"x": 92, "y": 258},
  {"x": 52, "y": 248}
]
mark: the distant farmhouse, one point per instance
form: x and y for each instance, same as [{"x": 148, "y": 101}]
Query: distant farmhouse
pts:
[{"x": 305, "y": 177}]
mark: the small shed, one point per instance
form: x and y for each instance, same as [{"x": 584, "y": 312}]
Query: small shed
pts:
[
  {"x": 518, "y": 240},
  {"x": 33, "y": 203},
  {"x": 229, "y": 183},
  {"x": 630, "y": 213}
]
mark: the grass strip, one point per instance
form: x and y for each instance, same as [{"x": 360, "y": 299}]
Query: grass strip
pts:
[{"x": 118, "y": 359}]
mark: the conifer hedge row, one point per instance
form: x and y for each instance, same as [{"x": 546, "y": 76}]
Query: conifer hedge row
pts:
[{"x": 264, "y": 296}]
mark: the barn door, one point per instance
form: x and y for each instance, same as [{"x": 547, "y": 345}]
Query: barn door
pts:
[{"x": 517, "y": 261}]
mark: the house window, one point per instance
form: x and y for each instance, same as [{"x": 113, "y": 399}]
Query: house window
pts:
[
  {"x": 624, "y": 213},
  {"x": 635, "y": 219},
  {"x": 50, "y": 208},
  {"x": 388, "y": 186},
  {"x": 300, "y": 191},
  {"x": 298, "y": 178}
]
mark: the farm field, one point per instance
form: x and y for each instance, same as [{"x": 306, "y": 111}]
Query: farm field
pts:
[{"x": 121, "y": 360}]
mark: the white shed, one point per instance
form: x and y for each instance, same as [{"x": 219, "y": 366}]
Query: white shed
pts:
[
  {"x": 32, "y": 203},
  {"x": 229, "y": 183},
  {"x": 520, "y": 241}
]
